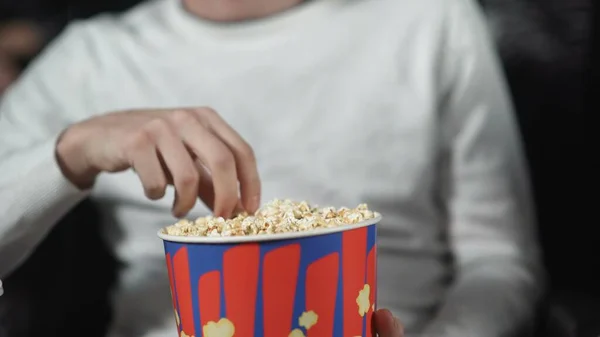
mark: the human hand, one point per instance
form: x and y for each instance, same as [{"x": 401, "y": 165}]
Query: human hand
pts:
[
  {"x": 386, "y": 325},
  {"x": 193, "y": 149}
]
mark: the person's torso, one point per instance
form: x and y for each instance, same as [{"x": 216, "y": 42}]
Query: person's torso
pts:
[{"x": 341, "y": 112}]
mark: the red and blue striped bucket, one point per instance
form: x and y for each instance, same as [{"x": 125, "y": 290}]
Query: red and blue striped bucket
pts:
[{"x": 315, "y": 284}]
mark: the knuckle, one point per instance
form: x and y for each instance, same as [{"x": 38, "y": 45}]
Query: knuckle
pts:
[
  {"x": 188, "y": 178},
  {"x": 223, "y": 161},
  {"x": 247, "y": 153},
  {"x": 207, "y": 112},
  {"x": 156, "y": 127},
  {"x": 138, "y": 141},
  {"x": 182, "y": 116}
]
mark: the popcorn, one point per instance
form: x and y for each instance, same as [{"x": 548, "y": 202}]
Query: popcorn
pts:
[
  {"x": 277, "y": 216},
  {"x": 177, "y": 318},
  {"x": 363, "y": 301},
  {"x": 296, "y": 333},
  {"x": 222, "y": 328},
  {"x": 308, "y": 319}
]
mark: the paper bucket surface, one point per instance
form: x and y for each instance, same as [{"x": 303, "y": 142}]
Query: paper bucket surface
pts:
[{"x": 322, "y": 285}]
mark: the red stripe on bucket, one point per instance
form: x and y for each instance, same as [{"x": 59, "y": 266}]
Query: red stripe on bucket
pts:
[
  {"x": 209, "y": 295},
  {"x": 321, "y": 290},
  {"x": 280, "y": 275},
  {"x": 354, "y": 251},
  {"x": 184, "y": 290},
  {"x": 172, "y": 284},
  {"x": 240, "y": 272}
]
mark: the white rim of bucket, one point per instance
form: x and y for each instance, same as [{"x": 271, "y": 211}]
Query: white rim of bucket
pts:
[{"x": 266, "y": 237}]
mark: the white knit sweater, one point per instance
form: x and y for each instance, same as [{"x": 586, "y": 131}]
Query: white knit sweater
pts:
[{"x": 399, "y": 104}]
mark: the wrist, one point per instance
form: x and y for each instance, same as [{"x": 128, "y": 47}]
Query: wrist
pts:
[{"x": 71, "y": 159}]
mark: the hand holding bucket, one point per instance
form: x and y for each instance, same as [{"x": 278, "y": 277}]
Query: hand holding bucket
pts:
[{"x": 315, "y": 283}]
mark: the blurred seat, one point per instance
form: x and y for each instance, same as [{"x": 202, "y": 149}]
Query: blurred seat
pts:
[
  {"x": 545, "y": 46},
  {"x": 64, "y": 287}
]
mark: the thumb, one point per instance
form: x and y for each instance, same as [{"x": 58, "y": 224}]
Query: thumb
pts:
[{"x": 386, "y": 325}]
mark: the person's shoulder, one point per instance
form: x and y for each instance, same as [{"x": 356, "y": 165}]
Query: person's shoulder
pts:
[
  {"x": 65, "y": 54},
  {"x": 409, "y": 10},
  {"x": 96, "y": 44},
  {"x": 431, "y": 12},
  {"x": 448, "y": 21},
  {"x": 88, "y": 48},
  {"x": 407, "y": 18}
]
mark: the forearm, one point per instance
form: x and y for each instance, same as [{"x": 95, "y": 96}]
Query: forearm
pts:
[
  {"x": 34, "y": 196},
  {"x": 34, "y": 193},
  {"x": 493, "y": 299}
]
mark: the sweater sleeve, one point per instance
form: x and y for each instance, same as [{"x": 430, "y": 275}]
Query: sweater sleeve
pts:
[
  {"x": 492, "y": 226},
  {"x": 34, "y": 194}
]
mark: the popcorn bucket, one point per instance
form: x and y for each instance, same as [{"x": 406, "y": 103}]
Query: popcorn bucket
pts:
[{"x": 317, "y": 283}]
